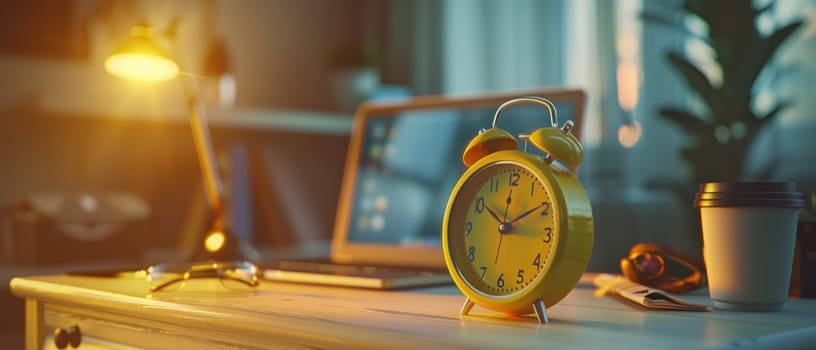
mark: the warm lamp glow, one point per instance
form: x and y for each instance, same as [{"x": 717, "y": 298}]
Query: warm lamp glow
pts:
[
  {"x": 141, "y": 67},
  {"x": 214, "y": 241},
  {"x": 141, "y": 57}
]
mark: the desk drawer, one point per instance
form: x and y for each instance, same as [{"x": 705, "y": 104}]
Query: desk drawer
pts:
[
  {"x": 102, "y": 330},
  {"x": 88, "y": 343}
]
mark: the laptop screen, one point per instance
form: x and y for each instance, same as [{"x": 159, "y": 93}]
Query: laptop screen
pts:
[{"x": 410, "y": 160}]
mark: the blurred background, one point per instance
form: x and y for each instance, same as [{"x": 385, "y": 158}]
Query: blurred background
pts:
[{"x": 679, "y": 92}]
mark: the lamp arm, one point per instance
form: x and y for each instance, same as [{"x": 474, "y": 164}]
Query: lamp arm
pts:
[
  {"x": 205, "y": 151},
  {"x": 213, "y": 185},
  {"x": 220, "y": 243}
]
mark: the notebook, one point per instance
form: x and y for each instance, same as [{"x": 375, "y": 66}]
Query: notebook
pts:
[{"x": 404, "y": 158}]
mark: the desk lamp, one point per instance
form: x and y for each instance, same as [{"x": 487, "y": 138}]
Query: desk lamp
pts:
[{"x": 142, "y": 57}]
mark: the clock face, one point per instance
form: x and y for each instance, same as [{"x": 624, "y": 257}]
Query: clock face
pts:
[{"x": 502, "y": 229}]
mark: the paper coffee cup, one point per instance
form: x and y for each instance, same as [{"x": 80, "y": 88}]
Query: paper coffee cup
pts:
[{"x": 749, "y": 233}]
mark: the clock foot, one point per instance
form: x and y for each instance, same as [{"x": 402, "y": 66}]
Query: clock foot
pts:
[
  {"x": 540, "y": 311},
  {"x": 466, "y": 307}
]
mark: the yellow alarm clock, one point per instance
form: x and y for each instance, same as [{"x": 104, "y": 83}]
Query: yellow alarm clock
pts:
[{"x": 517, "y": 232}]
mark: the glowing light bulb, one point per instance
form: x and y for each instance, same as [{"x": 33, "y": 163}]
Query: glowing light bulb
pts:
[
  {"x": 141, "y": 57},
  {"x": 215, "y": 241},
  {"x": 141, "y": 67}
]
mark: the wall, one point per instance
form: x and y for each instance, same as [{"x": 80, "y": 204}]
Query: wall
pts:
[{"x": 279, "y": 51}]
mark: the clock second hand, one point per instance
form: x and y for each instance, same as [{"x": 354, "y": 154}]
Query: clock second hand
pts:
[{"x": 504, "y": 222}]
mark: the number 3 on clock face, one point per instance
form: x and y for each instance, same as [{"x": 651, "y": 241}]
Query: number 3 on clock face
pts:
[{"x": 502, "y": 240}]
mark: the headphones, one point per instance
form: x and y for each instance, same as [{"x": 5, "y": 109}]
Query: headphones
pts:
[{"x": 648, "y": 264}]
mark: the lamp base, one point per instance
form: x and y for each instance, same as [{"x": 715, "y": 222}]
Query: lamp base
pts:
[{"x": 224, "y": 245}]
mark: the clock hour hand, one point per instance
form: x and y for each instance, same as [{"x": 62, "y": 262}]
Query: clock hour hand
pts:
[
  {"x": 524, "y": 214},
  {"x": 493, "y": 214}
]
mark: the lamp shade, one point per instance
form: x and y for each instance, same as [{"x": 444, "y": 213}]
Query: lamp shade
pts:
[{"x": 141, "y": 57}]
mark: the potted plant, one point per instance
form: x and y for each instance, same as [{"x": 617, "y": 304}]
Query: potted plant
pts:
[{"x": 721, "y": 136}]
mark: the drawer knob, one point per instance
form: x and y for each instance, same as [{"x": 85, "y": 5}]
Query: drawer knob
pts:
[{"x": 67, "y": 336}]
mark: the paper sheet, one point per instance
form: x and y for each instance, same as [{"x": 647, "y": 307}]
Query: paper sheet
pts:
[{"x": 650, "y": 298}]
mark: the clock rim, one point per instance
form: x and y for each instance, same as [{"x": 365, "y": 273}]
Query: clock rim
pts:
[{"x": 553, "y": 246}]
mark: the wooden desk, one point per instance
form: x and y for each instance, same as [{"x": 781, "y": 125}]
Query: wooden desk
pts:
[{"x": 120, "y": 312}]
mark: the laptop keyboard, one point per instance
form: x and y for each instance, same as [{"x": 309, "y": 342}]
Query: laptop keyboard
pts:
[{"x": 355, "y": 269}]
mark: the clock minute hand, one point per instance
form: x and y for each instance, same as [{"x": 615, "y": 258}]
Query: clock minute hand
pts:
[
  {"x": 509, "y": 199},
  {"x": 524, "y": 214}
]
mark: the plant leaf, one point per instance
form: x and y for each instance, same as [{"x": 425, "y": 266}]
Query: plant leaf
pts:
[
  {"x": 690, "y": 123},
  {"x": 772, "y": 114},
  {"x": 761, "y": 10},
  {"x": 779, "y": 74},
  {"x": 698, "y": 82},
  {"x": 699, "y": 8},
  {"x": 668, "y": 22},
  {"x": 765, "y": 51},
  {"x": 781, "y": 35},
  {"x": 657, "y": 18}
]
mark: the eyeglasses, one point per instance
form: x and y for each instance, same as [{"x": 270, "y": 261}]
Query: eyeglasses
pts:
[
  {"x": 233, "y": 275},
  {"x": 660, "y": 267}
]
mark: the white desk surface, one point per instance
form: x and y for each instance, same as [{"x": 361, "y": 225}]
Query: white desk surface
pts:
[{"x": 205, "y": 315}]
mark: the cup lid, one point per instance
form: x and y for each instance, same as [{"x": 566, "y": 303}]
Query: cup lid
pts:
[{"x": 749, "y": 194}]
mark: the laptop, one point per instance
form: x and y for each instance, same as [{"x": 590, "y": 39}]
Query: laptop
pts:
[{"x": 403, "y": 160}]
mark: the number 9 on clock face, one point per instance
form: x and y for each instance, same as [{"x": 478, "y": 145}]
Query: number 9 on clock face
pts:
[{"x": 502, "y": 229}]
